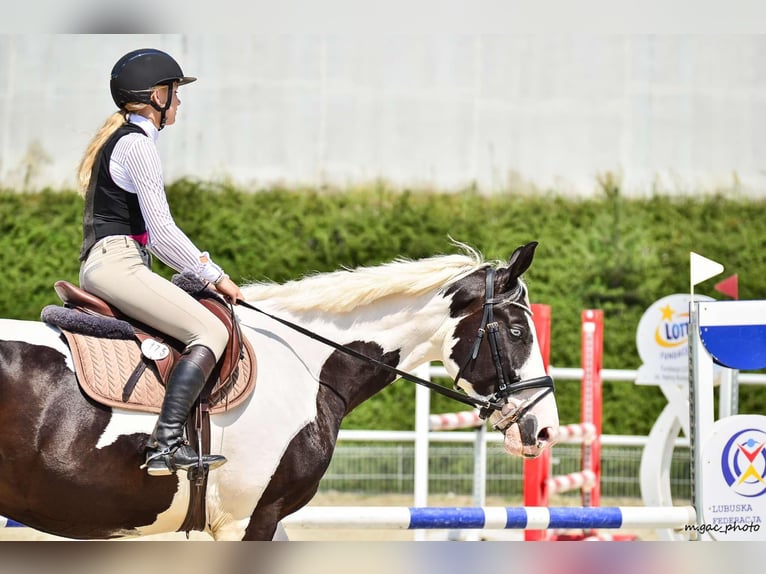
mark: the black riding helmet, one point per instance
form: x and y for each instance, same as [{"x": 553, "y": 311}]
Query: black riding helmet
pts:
[{"x": 136, "y": 74}]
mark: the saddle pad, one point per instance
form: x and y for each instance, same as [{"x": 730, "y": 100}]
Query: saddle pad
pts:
[{"x": 103, "y": 366}]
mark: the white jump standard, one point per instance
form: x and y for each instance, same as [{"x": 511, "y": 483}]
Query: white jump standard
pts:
[{"x": 729, "y": 454}]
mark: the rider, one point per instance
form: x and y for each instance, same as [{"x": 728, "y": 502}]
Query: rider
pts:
[{"x": 126, "y": 217}]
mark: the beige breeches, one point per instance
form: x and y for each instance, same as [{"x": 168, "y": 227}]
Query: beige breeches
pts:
[{"x": 117, "y": 270}]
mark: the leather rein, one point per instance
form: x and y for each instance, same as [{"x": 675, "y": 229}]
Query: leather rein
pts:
[{"x": 508, "y": 382}]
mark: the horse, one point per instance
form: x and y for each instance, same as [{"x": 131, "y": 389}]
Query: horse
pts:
[{"x": 69, "y": 466}]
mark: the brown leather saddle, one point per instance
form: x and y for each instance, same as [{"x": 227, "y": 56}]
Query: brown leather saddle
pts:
[{"x": 131, "y": 373}]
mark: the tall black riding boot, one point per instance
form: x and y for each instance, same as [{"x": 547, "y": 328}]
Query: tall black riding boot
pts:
[{"x": 167, "y": 450}]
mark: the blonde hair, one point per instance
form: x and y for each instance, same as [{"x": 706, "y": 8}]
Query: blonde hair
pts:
[{"x": 111, "y": 125}]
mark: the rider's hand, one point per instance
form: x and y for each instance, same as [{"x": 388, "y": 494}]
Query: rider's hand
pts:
[{"x": 229, "y": 289}]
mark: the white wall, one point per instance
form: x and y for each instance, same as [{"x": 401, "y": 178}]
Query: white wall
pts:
[{"x": 683, "y": 113}]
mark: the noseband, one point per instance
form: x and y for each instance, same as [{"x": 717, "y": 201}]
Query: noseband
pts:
[{"x": 508, "y": 381}]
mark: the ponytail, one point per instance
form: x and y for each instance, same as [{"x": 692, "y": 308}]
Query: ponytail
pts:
[
  {"x": 111, "y": 125},
  {"x": 84, "y": 170}
]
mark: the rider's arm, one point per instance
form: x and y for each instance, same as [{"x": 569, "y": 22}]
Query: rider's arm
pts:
[{"x": 140, "y": 163}]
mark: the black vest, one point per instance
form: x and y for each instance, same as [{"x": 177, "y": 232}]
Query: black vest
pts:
[{"x": 109, "y": 209}]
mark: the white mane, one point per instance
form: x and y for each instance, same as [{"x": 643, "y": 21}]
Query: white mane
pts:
[{"x": 341, "y": 291}]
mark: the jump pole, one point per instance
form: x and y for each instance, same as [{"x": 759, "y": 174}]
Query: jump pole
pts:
[
  {"x": 419, "y": 518},
  {"x": 538, "y": 483},
  {"x": 486, "y": 517}
]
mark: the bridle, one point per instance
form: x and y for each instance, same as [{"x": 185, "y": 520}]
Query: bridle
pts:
[{"x": 508, "y": 381}]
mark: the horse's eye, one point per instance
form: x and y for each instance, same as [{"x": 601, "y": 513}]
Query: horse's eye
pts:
[{"x": 515, "y": 331}]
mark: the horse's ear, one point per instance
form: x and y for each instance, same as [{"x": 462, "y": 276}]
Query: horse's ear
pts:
[{"x": 519, "y": 262}]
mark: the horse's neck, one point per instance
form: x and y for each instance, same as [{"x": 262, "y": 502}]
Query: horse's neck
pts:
[{"x": 413, "y": 326}]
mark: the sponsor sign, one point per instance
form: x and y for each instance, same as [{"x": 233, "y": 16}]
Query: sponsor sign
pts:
[
  {"x": 662, "y": 339},
  {"x": 734, "y": 482}
]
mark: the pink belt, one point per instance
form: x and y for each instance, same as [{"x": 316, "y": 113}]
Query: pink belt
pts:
[{"x": 142, "y": 238}]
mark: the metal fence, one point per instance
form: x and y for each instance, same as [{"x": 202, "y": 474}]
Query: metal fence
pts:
[
  {"x": 389, "y": 469},
  {"x": 383, "y": 462}
]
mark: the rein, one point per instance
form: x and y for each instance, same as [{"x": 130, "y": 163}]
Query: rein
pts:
[
  {"x": 471, "y": 401},
  {"x": 507, "y": 383}
]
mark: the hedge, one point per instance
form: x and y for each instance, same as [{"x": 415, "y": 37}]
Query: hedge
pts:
[{"x": 607, "y": 252}]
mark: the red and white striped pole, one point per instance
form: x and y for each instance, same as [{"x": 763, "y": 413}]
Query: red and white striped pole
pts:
[
  {"x": 590, "y": 398},
  {"x": 538, "y": 482},
  {"x": 537, "y": 470}
]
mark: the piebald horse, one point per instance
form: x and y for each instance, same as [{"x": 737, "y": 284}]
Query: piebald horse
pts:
[{"x": 70, "y": 467}]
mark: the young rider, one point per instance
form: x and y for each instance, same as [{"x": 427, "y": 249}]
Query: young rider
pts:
[{"x": 126, "y": 218}]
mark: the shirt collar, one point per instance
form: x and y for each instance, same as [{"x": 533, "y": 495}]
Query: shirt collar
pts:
[{"x": 146, "y": 125}]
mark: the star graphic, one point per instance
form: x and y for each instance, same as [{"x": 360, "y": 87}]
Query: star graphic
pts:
[{"x": 667, "y": 313}]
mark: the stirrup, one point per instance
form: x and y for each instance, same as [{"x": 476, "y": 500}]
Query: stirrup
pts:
[
  {"x": 169, "y": 466},
  {"x": 165, "y": 463},
  {"x": 163, "y": 468}
]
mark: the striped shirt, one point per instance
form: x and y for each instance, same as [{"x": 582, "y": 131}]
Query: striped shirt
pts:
[{"x": 135, "y": 166}]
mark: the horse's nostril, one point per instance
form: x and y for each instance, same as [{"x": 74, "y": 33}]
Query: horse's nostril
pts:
[{"x": 545, "y": 435}]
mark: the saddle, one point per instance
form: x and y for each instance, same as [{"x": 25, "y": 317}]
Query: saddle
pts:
[{"x": 123, "y": 363}]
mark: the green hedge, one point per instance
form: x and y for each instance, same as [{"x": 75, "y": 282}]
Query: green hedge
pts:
[{"x": 608, "y": 252}]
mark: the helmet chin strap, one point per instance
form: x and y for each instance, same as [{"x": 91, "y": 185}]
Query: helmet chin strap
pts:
[{"x": 163, "y": 109}]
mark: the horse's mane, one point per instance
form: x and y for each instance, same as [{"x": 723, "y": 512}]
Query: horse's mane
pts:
[{"x": 346, "y": 289}]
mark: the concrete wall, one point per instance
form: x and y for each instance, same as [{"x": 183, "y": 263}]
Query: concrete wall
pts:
[{"x": 683, "y": 114}]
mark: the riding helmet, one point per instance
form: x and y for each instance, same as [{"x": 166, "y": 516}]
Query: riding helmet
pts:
[{"x": 137, "y": 72}]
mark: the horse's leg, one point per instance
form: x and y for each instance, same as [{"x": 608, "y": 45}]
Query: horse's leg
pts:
[
  {"x": 297, "y": 477},
  {"x": 285, "y": 494},
  {"x": 263, "y": 524},
  {"x": 281, "y": 534}
]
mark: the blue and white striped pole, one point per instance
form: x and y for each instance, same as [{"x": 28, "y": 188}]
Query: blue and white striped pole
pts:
[
  {"x": 487, "y": 517},
  {"x": 540, "y": 518},
  {"x": 8, "y": 523}
]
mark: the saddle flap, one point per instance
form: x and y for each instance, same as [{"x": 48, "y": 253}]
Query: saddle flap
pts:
[{"x": 104, "y": 365}]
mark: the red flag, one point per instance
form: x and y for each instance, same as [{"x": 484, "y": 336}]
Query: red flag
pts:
[{"x": 728, "y": 287}]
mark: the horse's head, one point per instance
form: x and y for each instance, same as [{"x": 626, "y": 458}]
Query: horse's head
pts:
[{"x": 494, "y": 353}]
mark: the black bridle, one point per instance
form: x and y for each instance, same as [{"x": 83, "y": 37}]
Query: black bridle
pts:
[{"x": 508, "y": 381}]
